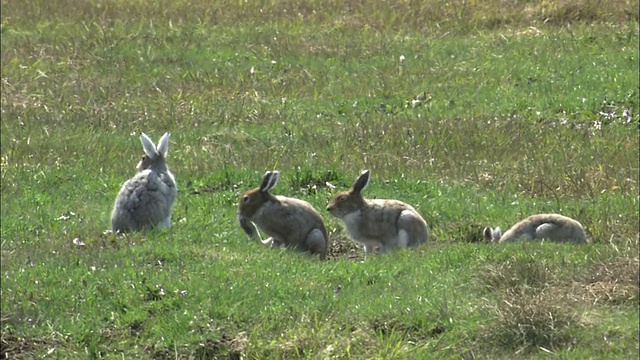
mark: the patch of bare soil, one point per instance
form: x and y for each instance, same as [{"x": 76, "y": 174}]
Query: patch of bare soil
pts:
[
  {"x": 227, "y": 347},
  {"x": 16, "y": 347},
  {"x": 465, "y": 232},
  {"x": 341, "y": 247}
]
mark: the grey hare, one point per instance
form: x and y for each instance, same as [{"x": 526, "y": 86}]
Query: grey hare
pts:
[
  {"x": 552, "y": 227},
  {"x": 146, "y": 200}
]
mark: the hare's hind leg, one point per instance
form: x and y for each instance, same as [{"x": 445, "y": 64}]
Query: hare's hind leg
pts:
[
  {"x": 368, "y": 250},
  {"x": 547, "y": 231},
  {"x": 316, "y": 243},
  {"x": 412, "y": 230},
  {"x": 577, "y": 235},
  {"x": 166, "y": 223}
]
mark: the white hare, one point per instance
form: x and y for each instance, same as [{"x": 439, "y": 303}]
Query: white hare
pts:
[
  {"x": 146, "y": 200},
  {"x": 553, "y": 227},
  {"x": 389, "y": 224},
  {"x": 288, "y": 221}
]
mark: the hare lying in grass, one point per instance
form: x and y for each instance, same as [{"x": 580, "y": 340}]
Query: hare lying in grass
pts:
[
  {"x": 552, "y": 227},
  {"x": 289, "y": 222},
  {"x": 389, "y": 224}
]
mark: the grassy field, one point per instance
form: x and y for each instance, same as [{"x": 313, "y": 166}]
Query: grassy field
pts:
[{"x": 525, "y": 107}]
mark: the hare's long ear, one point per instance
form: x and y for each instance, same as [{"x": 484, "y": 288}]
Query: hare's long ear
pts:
[
  {"x": 497, "y": 233},
  {"x": 492, "y": 234},
  {"x": 275, "y": 176},
  {"x": 265, "y": 181},
  {"x": 269, "y": 180},
  {"x": 362, "y": 181},
  {"x": 163, "y": 144},
  {"x": 149, "y": 146},
  {"x": 488, "y": 234}
]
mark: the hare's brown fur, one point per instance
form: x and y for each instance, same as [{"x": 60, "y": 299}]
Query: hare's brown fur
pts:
[{"x": 388, "y": 224}]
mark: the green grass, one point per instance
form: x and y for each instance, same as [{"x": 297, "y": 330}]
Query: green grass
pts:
[{"x": 524, "y": 112}]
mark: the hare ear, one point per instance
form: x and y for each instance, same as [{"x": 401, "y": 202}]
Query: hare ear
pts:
[
  {"x": 148, "y": 146},
  {"x": 163, "y": 144},
  {"x": 269, "y": 180},
  {"x": 362, "y": 181},
  {"x": 265, "y": 181},
  {"x": 275, "y": 176},
  {"x": 492, "y": 234},
  {"x": 488, "y": 234},
  {"x": 497, "y": 234}
]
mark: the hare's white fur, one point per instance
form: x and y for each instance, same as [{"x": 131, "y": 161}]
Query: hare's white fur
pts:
[
  {"x": 387, "y": 224},
  {"x": 289, "y": 222},
  {"x": 146, "y": 200},
  {"x": 553, "y": 227}
]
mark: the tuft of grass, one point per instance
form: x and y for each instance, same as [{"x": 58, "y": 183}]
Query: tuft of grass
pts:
[
  {"x": 615, "y": 281},
  {"x": 528, "y": 321},
  {"x": 539, "y": 307}
]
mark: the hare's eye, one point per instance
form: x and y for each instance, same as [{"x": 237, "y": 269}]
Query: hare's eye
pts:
[
  {"x": 343, "y": 198},
  {"x": 245, "y": 198}
]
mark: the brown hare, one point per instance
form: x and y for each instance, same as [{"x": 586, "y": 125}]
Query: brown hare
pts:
[
  {"x": 288, "y": 221},
  {"x": 389, "y": 224}
]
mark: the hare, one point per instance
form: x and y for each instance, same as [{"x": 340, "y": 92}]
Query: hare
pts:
[
  {"x": 288, "y": 221},
  {"x": 389, "y": 224},
  {"x": 552, "y": 227},
  {"x": 146, "y": 200}
]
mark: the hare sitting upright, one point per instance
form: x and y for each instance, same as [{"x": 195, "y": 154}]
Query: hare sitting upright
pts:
[
  {"x": 288, "y": 221},
  {"x": 389, "y": 224},
  {"x": 552, "y": 227},
  {"x": 145, "y": 201}
]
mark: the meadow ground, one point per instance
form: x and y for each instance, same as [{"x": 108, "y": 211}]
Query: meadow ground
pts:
[{"x": 477, "y": 113}]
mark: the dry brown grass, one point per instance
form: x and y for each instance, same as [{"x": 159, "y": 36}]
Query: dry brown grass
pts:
[
  {"x": 527, "y": 320},
  {"x": 537, "y": 308},
  {"x": 425, "y": 16},
  {"x": 517, "y": 273},
  {"x": 613, "y": 282}
]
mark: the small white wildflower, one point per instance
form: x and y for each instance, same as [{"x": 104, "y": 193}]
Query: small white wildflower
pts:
[
  {"x": 598, "y": 125},
  {"x": 402, "y": 58},
  {"x": 607, "y": 116},
  {"x": 253, "y": 69}
]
